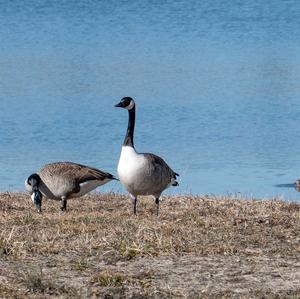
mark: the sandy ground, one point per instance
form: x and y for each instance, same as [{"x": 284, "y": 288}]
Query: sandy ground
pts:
[{"x": 199, "y": 247}]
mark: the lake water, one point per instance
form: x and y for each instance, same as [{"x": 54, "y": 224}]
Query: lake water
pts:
[{"x": 217, "y": 87}]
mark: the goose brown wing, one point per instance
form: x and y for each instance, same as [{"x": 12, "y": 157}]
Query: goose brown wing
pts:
[
  {"x": 90, "y": 174},
  {"x": 159, "y": 165},
  {"x": 79, "y": 172}
]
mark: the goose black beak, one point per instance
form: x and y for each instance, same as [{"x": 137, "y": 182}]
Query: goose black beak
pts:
[
  {"x": 120, "y": 105},
  {"x": 39, "y": 209}
]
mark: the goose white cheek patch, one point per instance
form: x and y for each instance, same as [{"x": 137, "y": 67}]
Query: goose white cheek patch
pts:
[
  {"x": 32, "y": 197},
  {"x": 130, "y": 106}
]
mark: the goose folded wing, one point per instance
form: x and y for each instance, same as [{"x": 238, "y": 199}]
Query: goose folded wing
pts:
[
  {"x": 90, "y": 174},
  {"x": 159, "y": 165}
]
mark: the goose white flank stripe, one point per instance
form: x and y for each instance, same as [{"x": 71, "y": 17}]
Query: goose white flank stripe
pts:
[
  {"x": 142, "y": 173},
  {"x": 64, "y": 180}
]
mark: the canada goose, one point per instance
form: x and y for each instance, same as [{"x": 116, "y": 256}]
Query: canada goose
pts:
[
  {"x": 142, "y": 173},
  {"x": 64, "y": 180}
]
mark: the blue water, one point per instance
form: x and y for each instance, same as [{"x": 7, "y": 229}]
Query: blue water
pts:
[{"x": 217, "y": 87}]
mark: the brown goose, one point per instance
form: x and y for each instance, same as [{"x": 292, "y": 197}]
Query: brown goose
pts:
[
  {"x": 142, "y": 173},
  {"x": 64, "y": 180}
]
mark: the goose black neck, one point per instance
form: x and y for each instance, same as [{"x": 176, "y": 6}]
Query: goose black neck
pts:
[{"x": 128, "y": 141}]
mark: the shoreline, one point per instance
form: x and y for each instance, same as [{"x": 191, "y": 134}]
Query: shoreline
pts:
[
  {"x": 229, "y": 196},
  {"x": 198, "y": 247}
]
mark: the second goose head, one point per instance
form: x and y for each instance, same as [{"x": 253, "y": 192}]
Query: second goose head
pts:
[{"x": 33, "y": 181}]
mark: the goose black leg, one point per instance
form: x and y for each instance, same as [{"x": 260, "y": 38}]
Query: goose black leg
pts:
[
  {"x": 134, "y": 200},
  {"x": 157, "y": 205},
  {"x": 63, "y": 204}
]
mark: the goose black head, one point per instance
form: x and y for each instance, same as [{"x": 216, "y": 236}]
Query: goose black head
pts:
[
  {"x": 36, "y": 196},
  {"x": 127, "y": 103},
  {"x": 33, "y": 180}
]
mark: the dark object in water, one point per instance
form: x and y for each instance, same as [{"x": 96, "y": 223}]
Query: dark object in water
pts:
[{"x": 295, "y": 185}]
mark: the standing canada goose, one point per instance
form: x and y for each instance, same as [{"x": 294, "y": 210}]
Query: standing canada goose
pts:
[
  {"x": 142, "y": 173},
  {"x": 64, "y": 180}
]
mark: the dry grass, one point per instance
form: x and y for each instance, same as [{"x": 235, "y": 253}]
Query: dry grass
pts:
[{"x": 198, "y": 247}]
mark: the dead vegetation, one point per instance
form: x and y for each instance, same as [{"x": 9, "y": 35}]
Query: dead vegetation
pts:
[{"x": 198, "y": 247}]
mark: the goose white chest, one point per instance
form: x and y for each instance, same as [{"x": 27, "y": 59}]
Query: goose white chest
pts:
[{"x": 131, "y": 166}]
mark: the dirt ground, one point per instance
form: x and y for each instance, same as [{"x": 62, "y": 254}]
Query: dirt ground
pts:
[{"x": 198, "y": 247}]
